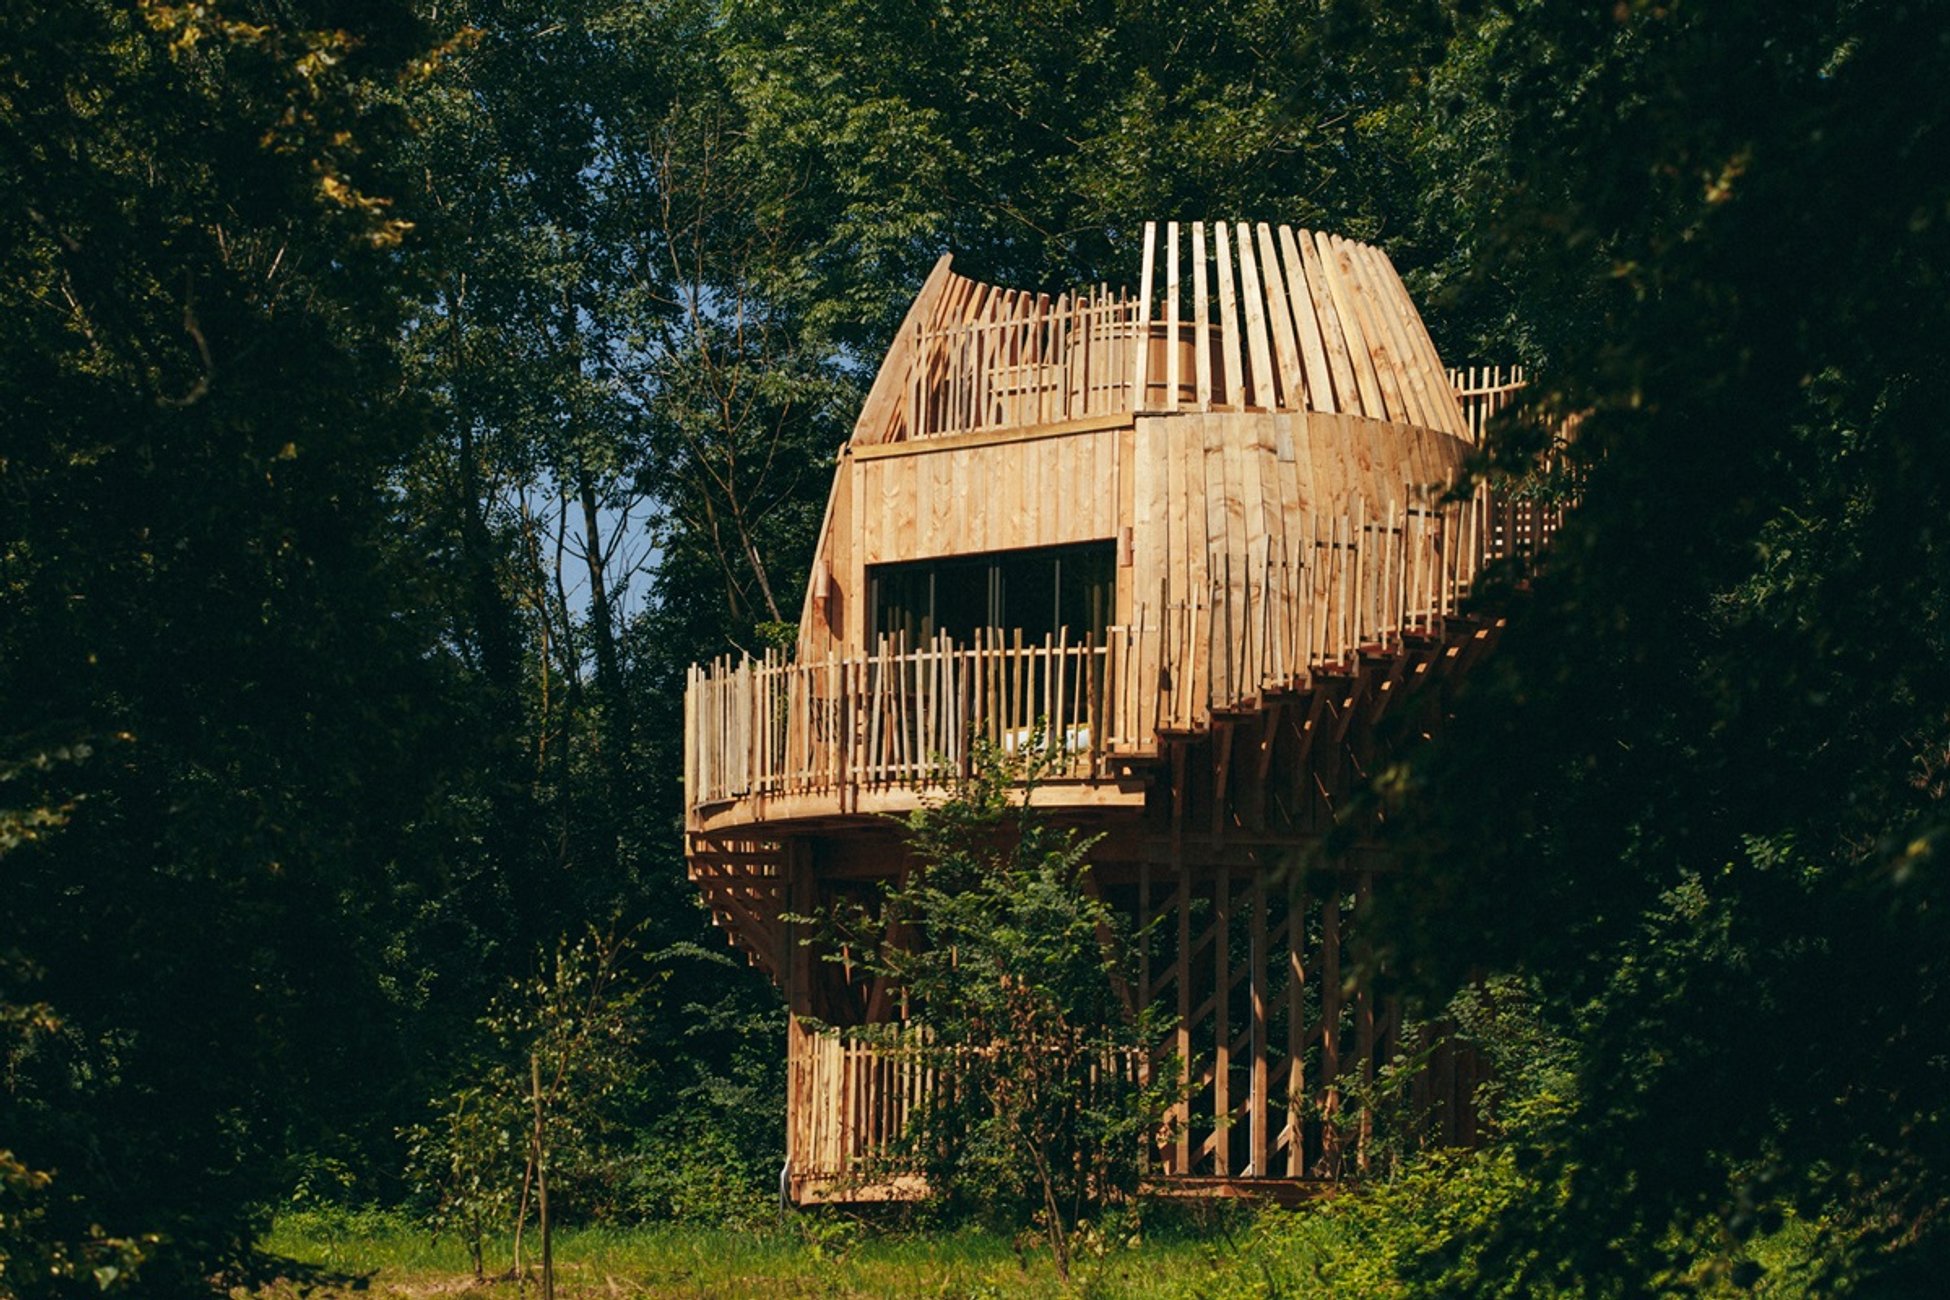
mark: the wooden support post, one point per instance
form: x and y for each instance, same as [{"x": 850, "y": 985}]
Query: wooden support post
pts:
[
  {"x": 1182, "y": 1164},
  {"x": 1296, "y": 1026},
  {"x": 1221, "y": 774},
  {"x": 1259, "y": 1145},
  {"x": 1221, "y": 1021},
  {"x": 1330, "y": 1031},
  {"x": 1144, "y": 919},
  {"x": 1364, "y": 1027}
]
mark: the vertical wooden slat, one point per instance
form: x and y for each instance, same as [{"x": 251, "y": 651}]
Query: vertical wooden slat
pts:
[
  {"x": 1258, "y": 1145},
  {"x": 1380, "y": 352},
  {"x": 1420, "y": 353},
  {"x": 1320, "y": 384},
  {"x": 1229, "y": 322},
  {"x": 1350, "y": 395},
  {"x": 1359, "y": 357},
  {"x": 1224, "y": 517},
  {"x": 1141, "y": 372},
  {"x": 1286, "y": 347},
  {"x": 1171, "y": 316},
  {"x": 1330, "y": 1025},
  {"x": 1182, "y": 1164},
  {"x": 1201, "y": 320},
  {"x": 1364, "y": 1033},
  {"x": 1253, "y": 299},
  {"x": 1296, "y": 1028},
  {"x": 1221, "y": 1020}
]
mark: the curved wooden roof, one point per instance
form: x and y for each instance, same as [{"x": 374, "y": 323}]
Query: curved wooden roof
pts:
[{"x": 1227, "y": 316}]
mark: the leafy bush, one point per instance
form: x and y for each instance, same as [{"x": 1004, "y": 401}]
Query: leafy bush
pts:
[
  {"x": 697, "y": 1174},
  {"x": 1014, "y": 964},
  {"x": 540, "y": 1113}
]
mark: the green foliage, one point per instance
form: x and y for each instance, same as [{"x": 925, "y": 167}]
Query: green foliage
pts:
[
  {"x": 578, "y": 1022},
  {"x": 348, "y": 349},
  {"x": 1018, "y": 969},
  {"x": 1704, "y": 768},
  {"x": 1032, "y": 141},
  {"x": 692, "y": 1170},
  {"x": 218, "y": 769},
  {"x": 466, "y": 1163},
  {"x": 35, "y": 1260}
]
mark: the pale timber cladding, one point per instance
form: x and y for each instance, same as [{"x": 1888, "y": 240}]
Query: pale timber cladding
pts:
[{"x": 1265, "y": 434}]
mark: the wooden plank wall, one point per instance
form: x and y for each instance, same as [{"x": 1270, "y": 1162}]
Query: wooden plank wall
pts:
[
  {"x": 1228, "y": 317},
  {"x": 1233, "y": 504},
  {"x": 993, "y": 496}
]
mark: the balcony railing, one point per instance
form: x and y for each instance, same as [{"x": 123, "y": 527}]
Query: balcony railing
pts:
[
  {"x": 908, "y": 716},
  {"x": 1226, "y": 316},
  {"x": 1025, "y": 359},
  {"x": 1483, "y": 391},
  {"x": 900, "y": 716},
  {"x": 854, "y": 1094}
]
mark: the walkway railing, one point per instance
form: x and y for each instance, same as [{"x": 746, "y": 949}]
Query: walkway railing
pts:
[
  {"x": 849, "y": 1101},
  {"x": 908, "y": 716},
  {"x": 1483, "y": 391}
]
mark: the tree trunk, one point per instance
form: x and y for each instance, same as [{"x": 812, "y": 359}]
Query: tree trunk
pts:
[
  {"x": 617, "y": 722},
  {"x": 541, "y": 1182}
]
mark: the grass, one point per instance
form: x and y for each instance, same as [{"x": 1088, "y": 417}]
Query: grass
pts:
[
  {"x": 1317, "y": 1253},
  {"x": 381, "y": 1257}
]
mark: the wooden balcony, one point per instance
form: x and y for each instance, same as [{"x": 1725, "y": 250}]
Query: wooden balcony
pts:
[
  {"x": 771, "y": 740},
  {"x": 1227, "y": 317}
]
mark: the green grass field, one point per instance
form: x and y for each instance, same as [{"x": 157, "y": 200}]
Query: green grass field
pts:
[
  {"x": 372, "y": 1255},
  {"x": 1321, "y": 1252}
]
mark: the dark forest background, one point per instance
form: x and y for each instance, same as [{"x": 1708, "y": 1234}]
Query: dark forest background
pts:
[{"x": 395, "y": 398}]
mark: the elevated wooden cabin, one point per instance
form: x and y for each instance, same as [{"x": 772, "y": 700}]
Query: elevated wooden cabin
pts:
[{"x": 1201, "y": 534}]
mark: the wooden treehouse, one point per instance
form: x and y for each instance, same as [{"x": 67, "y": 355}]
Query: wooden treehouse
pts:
[{"x": 1201, "y": 535}]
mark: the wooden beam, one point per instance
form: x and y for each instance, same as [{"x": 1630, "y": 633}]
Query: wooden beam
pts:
[
  {"x": 889, "y": 389},
  {"x": 1258, "y": 1146},
  {"x": 1222, "y": 771},
  {"x": 1222, "y": 982},
  {"x": 1141, "y": 378},
  {"x": 947, "y": 442}
]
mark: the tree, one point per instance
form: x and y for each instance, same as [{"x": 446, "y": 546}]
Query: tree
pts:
[
  {"x": 1034, "y": 142},
  {"x": 540, "y": 1110},
  {"x": 1704, "y": 771},
  {"x": 1019, "y": 975},
  {"x": 218, "y": 770},
  {"x": 605, "y": 379}
]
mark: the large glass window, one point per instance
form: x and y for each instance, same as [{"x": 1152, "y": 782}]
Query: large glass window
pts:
[{"x": 1069, "y": 588}]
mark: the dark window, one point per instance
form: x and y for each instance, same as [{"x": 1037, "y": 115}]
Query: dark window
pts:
[{"x": 1068, "y": 588}]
